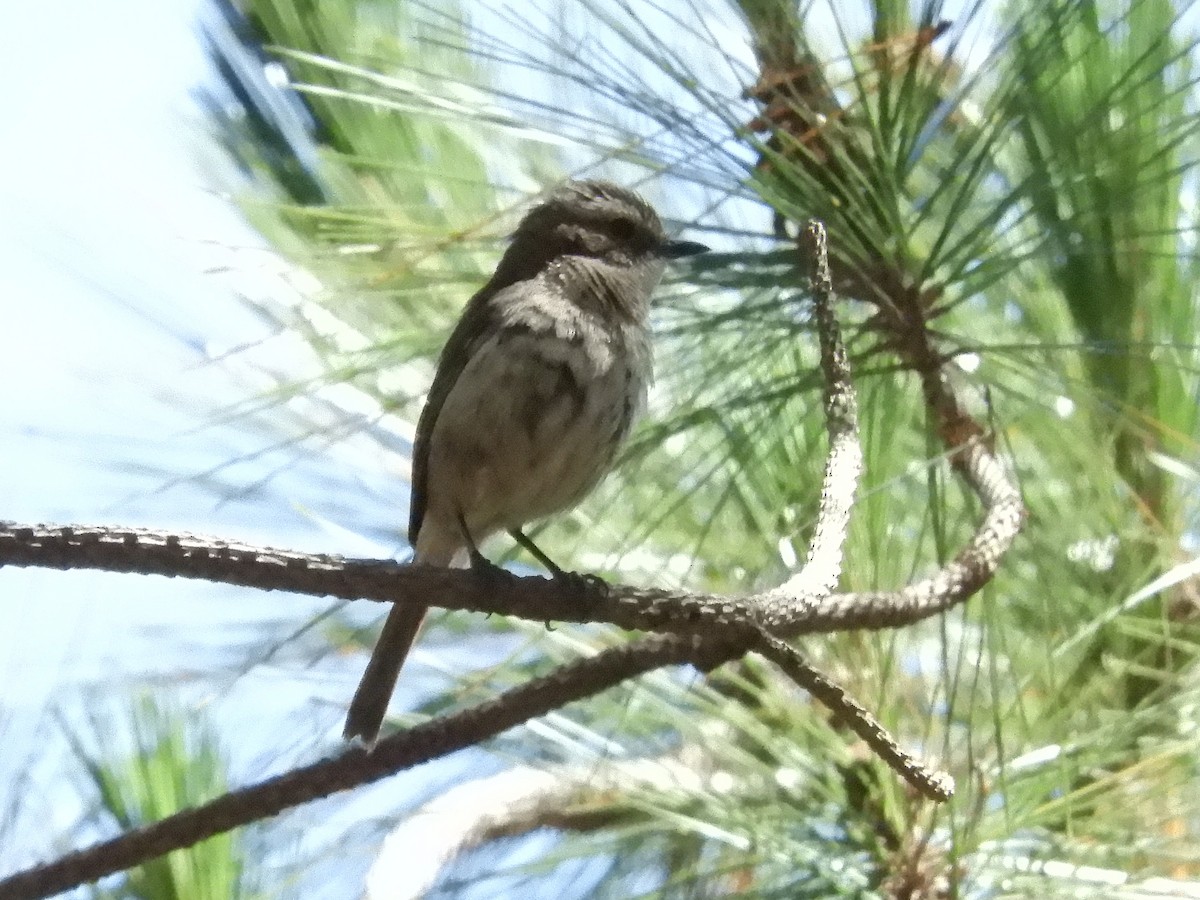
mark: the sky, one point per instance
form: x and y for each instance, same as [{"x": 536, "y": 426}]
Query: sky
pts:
[
  {"x": 126, "y": 341},
  {"x": 116, "y": 237}
]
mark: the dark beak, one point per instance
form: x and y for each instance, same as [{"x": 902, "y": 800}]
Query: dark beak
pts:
[{"x": 677, "y": 249}]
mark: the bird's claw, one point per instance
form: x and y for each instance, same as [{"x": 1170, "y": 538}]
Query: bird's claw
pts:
[
  {"x": 484, "y": 567},
  {"x": 582, "y": 582}
]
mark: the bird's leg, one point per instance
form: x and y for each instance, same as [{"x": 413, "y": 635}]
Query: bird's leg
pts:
[
  {"x": 536, "y": 552},
  {"x": 556, "y": 571},
  {"x": 479, "y": 562}
]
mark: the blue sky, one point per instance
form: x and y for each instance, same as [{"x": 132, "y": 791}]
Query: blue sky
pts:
[
  {"x": 112, "y": 215},
  {"x": 121, "y": 255}
]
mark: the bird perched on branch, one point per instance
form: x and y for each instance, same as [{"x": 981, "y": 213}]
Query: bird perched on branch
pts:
[{"x": 535, "y": 390}]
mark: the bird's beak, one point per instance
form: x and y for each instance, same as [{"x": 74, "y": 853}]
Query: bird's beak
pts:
[{"x": 677, "y": 249}]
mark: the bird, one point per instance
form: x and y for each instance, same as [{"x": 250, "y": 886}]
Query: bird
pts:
[{"x": 535, "y": 390}]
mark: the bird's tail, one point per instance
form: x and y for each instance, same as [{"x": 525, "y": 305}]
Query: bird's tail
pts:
[{"x": 403, "y": 623}]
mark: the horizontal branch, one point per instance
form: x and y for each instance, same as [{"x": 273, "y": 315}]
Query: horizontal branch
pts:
[
  {"x": 793, "y": 613},
  {"x": 491, "y": 591}
]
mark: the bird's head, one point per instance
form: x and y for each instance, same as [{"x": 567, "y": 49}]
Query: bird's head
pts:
[{"x": 600, "y": 220}]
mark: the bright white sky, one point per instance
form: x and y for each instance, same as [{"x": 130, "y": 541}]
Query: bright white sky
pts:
[{"x": 110, "y": 222}]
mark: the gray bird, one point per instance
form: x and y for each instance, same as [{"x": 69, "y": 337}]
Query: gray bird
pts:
[{"x": 535, "y": 390}]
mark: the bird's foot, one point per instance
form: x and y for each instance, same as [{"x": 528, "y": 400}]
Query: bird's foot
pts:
[
  {"x": 583, "y": 582},
  {"x": 481, "y": 565},
  {"x": 575, "y": 581}
]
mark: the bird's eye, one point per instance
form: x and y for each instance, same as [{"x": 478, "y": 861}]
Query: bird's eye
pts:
[{"x": 624, "y": 230}]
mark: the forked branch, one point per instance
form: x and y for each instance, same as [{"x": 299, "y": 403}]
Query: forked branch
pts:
[{"x": 704, "y": 630}]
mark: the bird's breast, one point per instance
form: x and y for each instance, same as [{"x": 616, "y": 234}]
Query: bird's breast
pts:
[{"x": 534, "y": 422}]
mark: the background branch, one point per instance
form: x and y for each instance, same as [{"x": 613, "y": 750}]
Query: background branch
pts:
[
  {"x": 355, "y": 767},
  {"x": 524, "y": 799}
]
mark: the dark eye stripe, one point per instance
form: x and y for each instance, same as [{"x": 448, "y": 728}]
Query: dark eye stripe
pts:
[{"x": 623, "y": 228}]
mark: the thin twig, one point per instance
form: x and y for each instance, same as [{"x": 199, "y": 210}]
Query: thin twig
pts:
[
  {"x": 932, "y": 784},
  {"x": 823, "y": 566}
]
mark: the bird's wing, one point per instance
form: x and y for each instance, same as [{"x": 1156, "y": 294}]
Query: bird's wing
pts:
[{"x": 476, "y": 322}]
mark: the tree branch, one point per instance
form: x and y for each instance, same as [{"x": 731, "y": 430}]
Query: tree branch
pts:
[
  {"x": 934, "y": 785},
  {"x": 703, "y": 629},
  {"x": 356, "y": 766}
]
